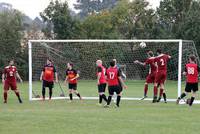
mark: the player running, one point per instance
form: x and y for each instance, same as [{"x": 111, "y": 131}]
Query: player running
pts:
[
  {"x": 9, "y": 76},
  {"x": 101, "y": 81},
  {"x": 47, "y": 78},
  {"x": 113, "y": 77},
  {"x": 191, "y": 71},
  {"x": 161, "y": 75},
  {"x": 71, "y": 77},
  {"x": 152, "y": 71}
]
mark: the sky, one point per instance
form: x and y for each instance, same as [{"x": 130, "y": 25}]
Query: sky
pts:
[{"x": 32, "y": 8}]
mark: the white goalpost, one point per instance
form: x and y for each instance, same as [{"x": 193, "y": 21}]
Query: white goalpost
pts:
[{"x": 84, "y": 53}]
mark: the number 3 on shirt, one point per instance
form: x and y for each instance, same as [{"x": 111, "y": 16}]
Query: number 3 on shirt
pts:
[
  {"x": 112, "y": 75},
  {"x": 190, "y": 70}
]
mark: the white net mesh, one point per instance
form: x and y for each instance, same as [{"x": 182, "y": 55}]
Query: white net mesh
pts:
[{"x": 84, "y": 55}]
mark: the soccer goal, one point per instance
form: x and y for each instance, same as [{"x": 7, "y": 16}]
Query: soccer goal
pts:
[{"x": 84, "y": 53}]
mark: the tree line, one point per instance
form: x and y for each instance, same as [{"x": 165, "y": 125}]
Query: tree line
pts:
[{"x": 101, "y": 19}]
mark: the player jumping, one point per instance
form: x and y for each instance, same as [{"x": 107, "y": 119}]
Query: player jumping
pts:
[
  {"x": 101, "y": 81},
  {"x": 191, "y": 71},
  {"x": 152, "y": 71},
  {"x": 9, "y": 80},
  {"x": 71, "y": 77},
  {"x": 47, "y": 78},
  {"x": 161, "y": 75},
  {"x": 113, "y": 77}
]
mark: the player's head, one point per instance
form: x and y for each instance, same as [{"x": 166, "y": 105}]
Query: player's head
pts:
[
  {"x": 115, "y": 61},
  {"x": 99, "y": 62},
  {"x": 70, "y": 65},
  {"x": 150, "y": 53},
  {"x": 192, "y": 59},
  {"x": 49, "y": 61},
  {"x": 11, "y": 62},
  {"x": 112, "y": 63},
  {"x": 159, "y": 51}
]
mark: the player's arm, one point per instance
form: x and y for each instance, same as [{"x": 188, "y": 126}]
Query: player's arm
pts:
[
  {"x": 3, "y": 78},
  {"x": 76, "y": 77},
  {"x": 140, "y": 63},
  {"x": 41, "y": 76},
  {"x": 185, "y": 71},
  {"x": 18, "y": 76},
  {"x": 99, "y": 70},
  {"x": 120, "y": 79}
]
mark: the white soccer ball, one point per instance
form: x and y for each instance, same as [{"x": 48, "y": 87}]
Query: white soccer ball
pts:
[{"x": 143, "y": 45}]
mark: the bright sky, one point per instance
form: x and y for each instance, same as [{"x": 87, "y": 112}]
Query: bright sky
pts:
[{"x": 33, "y": 7}]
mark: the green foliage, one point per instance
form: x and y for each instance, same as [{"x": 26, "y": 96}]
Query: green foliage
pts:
[
  {"x": 10, "y": 39},
  {"x": 60, "y": 22}
]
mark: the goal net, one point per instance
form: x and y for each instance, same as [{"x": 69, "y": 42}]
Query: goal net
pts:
[{"x": 84, "y": 53}]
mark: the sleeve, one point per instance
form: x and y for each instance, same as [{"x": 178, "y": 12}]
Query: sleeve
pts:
[
  {"x": 43, "y": 69},
  {"x": 99, "y": 69},
  {"x": 75, "y": 72},
  {"x": 119, "y": 72}
]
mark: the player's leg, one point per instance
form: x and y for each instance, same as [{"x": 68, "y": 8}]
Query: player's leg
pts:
[
  {"x": 194, "y": 90},
  {"x": 145, "y": 91},
  {"x": 184, "y": 94},
  {"x": 51, "y": 84},
  {"x": 155, "y": 92},
  {"x": 161, "y": 92},
  {"x": 70, "y": 92},
  {"x": 119, "y": 93},
  {"x": 111, "y": 92},
  {"x": 14, "y": 88},
  {"x": 102, "y": 96},
  {"x": 43, "y": 89},
  {"x": 5, "y": 93},
  {"x": 74, "y": 89}
]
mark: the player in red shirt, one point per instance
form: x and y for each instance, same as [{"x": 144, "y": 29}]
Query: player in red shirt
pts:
[
  {"x": 113, "y": 77},
  {"x": 161, "y": 75},
  {"x": 47, "y": 78},
  {"x": 71, "y": 77},
  {"x": 152, "y": 71},
  {"x": 9, "y": 80},
  {"x": 101, "y": 81},
  {"x": 192, "y": 72}
]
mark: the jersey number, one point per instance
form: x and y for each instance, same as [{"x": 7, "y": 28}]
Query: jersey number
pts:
[
  {"x": 162, "y": 62},
  {"x": 190, "y": 70},
  {"x": 11, "y": 73},
  {"x": 112, "y": 75}
]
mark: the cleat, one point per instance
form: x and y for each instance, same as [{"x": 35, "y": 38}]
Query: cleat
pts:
[
  {"x": 154, "y": 99},
  {"x": 116, "y": 106},
  {"x": 106, "y": 106},
  {"x": 165, "y": 101},
  {"x": 178, "y": 100},
  {"x": 143, "y": 98},
  {"x": 69, "y": 101},
  {"x": 99, "y": 104},
  {"x": 159, "y": 99},
  {"x": 20, "y": 101},
  {"x": 5, "y": 102}
]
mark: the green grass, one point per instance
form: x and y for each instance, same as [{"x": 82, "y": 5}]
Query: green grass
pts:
[{"x": 133, "y": 117}]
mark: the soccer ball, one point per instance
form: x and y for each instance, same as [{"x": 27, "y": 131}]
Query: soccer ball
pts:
[{"x": 143, "y": 45}]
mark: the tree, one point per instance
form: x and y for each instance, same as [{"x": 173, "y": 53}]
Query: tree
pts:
[
  {"x": 88, "y": 7},
  {"x": 10, "y": 38},
  {"x": 60, "y": 24},
  {"x": 134, "y": 19}
]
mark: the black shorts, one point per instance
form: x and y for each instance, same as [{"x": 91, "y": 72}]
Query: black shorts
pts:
[
  {"x": 47, "y": 84},
  {"x": 112, "y": 89},
  {"x": 120, "y": 87},
  {"x": 102, "y": 88},
  {"x": 191, "y": 87},
  {"x": 72, "y": 86}
]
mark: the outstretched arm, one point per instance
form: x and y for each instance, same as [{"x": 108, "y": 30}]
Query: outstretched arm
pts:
[
  {"x": 140, "y": 63},
  {"x": 122, "y": 82},
  {"x": 56, "y": 74}
]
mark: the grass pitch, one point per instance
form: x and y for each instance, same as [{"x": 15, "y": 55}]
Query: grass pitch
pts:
[{"x": 133, "y": 117}]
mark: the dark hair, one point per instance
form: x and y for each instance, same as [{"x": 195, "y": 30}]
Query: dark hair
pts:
[
  {"x": 12, "y": 59},
  {"x": 150, "y": 53},
  {"x": 49, "y": 59},
  {"x": 159, "y": 51},
  {"x": 71, "y": 64},
  {"x": 112, "y": 63},
  {"x": 193, "y": 58}
]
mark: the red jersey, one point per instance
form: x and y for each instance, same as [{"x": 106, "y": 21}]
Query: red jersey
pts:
[
  {"x": 71, "y": 74},
  {"x": 101, "y": 69},
  {"x": 112, "y": 76},
  {"x": 10, "y": 73},
  {"x": 49, "y": 71},
  {"x": 192, "y": 70},
  {"x": 151, "y": 62},
  {"x": 161, "y": 61}
]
